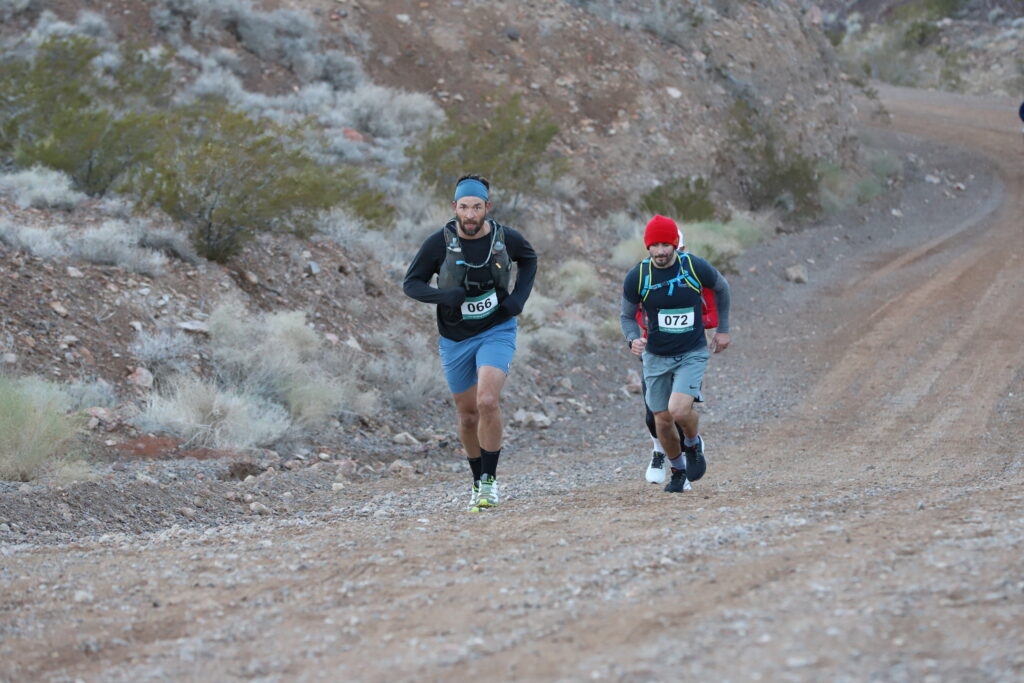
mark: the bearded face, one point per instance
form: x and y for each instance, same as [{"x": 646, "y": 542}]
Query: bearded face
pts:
[
  {"x": 470, "y": 213},
  {"x": 662, "y": 254}
]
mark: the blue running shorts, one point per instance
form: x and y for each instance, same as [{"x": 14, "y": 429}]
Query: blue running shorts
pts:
[
  {"x": 667, "y": 375},
  {"x": 461, "y": 359}
]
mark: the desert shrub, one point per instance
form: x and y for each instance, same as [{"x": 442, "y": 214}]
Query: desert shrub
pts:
[
  {"x": 774, "y": 173},
  {"x": 40, "y": 187},
  {"x": 920, "y": 34},
  {"x": 206, "y": 415},
  {"x": 42, "y": 242},
  {"x": 389, "y": 113},
  {"x": 227, "y": 176},
  {"x": 684, "y": 199},
  {"x": 12, "y": 8},
  {"x": 169, "y": 242},
  {"x": 88, "y": 393},
  {"x": 841, "y": 188},
  {"x": 76, "y": 113},
  {"x": 410, "y": 381},
  {"x": 610, "y": 329},
  {"x": 721, "y": 243},
  {"x": 278, "y": 357},
  {"x": 925, "y": 10},
  {"x": 576, "y": 280},
  {"x": 117, "y": 243},
  {"x": 628, "y": 252},
  {"x": 545, "y": 342},
  {"x": 537, "y": 311},
  {"x": 34, "y": 428},
  {"x": 673, "y": 22},
  {"x": 510, "y": 148},
  {"x": 165, "y": 353}
]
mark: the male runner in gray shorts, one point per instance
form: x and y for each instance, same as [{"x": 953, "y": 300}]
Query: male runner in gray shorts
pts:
[{"x": 667, "y": 286}]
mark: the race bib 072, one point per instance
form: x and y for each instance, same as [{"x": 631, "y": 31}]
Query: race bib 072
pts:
[
  {"x": 480, "y": 306},
  {"x": 675, "y": 320}
]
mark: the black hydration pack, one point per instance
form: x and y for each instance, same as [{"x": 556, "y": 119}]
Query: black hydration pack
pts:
[{"x": 454, "y": 271}]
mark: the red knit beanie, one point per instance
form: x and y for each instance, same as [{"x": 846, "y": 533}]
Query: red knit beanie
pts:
[{"x": 661, "y": 230}]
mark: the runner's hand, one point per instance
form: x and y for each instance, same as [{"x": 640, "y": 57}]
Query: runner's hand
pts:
[
  {"x": 720, "y": 342},
  {"x": 638, "y": 345}
]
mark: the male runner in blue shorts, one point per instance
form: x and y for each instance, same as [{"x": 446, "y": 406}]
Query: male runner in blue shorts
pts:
[
  {"x": 667, "y": 287},
  {"x": 472, "y": 256}
]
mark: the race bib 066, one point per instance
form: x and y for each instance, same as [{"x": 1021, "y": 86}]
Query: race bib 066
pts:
[
  {"x": 675, "y": 320},
  {"x": 480, "y": 306}
]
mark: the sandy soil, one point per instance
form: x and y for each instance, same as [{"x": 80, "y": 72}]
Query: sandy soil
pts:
[{"x": 867, "y": 527}]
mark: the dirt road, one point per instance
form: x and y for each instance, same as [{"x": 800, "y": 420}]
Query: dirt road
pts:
[{"x": 873, "y": 532}]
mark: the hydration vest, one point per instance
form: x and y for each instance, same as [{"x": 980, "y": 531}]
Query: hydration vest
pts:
[
  {"x": 455, "y": 270},
  {"x": 709, "y": 310}
]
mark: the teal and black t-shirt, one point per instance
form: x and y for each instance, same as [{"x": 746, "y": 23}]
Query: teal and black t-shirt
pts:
[{"x": 673, "y": 310}]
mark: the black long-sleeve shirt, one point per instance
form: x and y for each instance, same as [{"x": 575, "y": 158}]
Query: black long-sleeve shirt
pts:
[{"x": 450, "y": 322}]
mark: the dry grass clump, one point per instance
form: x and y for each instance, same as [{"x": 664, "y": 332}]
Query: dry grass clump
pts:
[{"x": 34, "y": 427}]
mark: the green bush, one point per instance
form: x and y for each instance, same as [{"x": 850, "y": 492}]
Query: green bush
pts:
[
  {"x": 924, "y": 10},
  {"x": 920, "y": 34},
  {"x": 62, "y": 113},
  {"x": 684, "y": 199},
  {"x": 227, "y": 177},
  {"x": 33, "y": 428},
  {"x": 775, "y": 172},
  {"x": 510, "y": 149}
]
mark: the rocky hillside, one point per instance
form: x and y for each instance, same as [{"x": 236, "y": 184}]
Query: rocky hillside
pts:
[
  {"x": 971, "y": 46},
  {"x": 643, "y": 92}
]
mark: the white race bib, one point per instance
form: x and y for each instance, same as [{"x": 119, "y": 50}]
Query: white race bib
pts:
[
  {"x": 675, "y": 320},
  {"x": 480, "y": 306}
]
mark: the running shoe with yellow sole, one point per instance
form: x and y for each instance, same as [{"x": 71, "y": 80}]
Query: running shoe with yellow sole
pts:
[{"x": 488, "y": 495}]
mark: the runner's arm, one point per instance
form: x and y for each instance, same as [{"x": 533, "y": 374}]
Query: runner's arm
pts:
[
  {"x": 520, "y": 251},
  {"x": 722, "y": 299},
  {"x": 424, "y": 266},
  {"x": 627, "y": 312}
]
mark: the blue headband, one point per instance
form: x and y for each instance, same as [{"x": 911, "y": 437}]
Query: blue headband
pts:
[{"x": 470, "y": 188}]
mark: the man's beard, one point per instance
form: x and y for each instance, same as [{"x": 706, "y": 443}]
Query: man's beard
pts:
[
  {"x": 663, "y": 261},
  {"x": 471, "y": 232}
]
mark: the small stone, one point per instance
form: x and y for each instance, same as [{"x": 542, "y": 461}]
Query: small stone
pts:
[
  {"x": 141, "y": 377},
  {"x": 197, "y": 326},
  {"x": 402, "y": 468},
  {"x": 405, "y": 439},
  {"x": 259, "y": 508},
  {"x": 187, "y": 512},
  {"x": 337, "y": 486},
  {"x": 75, "y": 272},
  {"x": 59, "y": 309},
  {"x": 323, "y": 457},
  {"x": 797, "y": 274}
]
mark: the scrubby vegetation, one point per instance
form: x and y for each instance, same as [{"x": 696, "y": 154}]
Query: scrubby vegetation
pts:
[
  {"x": 34, "y": 427},
  {"x": 511, "y": 148},
  {"x": 777, "y": 174}
]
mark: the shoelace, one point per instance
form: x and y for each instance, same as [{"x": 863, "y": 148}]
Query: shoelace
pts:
[{"x": 658, "y": 461}]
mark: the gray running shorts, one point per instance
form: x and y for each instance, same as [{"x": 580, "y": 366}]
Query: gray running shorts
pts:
[{"x": 667, "y": 375}]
